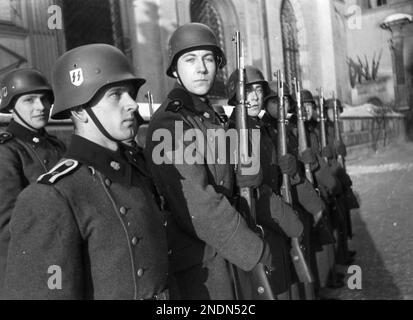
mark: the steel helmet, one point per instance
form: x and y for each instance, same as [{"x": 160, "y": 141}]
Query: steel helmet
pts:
[
  {"x": 81, "y": 72},
  {"x": 329, "y": 104},
  {"x": 189, "y": 37},
  {"x": 21, "y": 81},
  {"x": 252, "y": 75},
  {"x": 273, "y": 93},
  {"x": 307, "y": 96}
]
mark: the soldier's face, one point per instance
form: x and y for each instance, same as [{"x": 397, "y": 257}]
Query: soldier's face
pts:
[
  {"x": 254, "y": 96},
  {"x": 34, "y": 108},
  {"x": 308, "y": 111},
  {"x": 196, "y": 70},
  {"x": 330, "y": 114},
  {"x": 115, "y": 110},
  {"x": 272, "y": 107}
]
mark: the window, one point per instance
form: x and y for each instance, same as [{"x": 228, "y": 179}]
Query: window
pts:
[
  {"x": 372, "y": 4},
  {"x": 205, "y": 11},
  {"x": 92, "y": 21},
  {"x": 381, "y": 3},
  {"x": 290, "y": 43}
]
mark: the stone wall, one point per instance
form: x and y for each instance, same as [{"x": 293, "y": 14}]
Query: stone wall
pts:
[{"x": 363, "y": 134}]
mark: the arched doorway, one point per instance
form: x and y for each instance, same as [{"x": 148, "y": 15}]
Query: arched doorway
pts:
[
  {"x": 291, "y": 50},
  {"x": 206, "y": 12}
]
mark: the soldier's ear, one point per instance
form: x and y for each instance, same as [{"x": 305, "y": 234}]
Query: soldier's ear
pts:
[{"x": 79, "y": 114}]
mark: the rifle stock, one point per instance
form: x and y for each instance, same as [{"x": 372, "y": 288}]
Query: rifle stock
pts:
[
  {"x": 259, "y": 276},
  {"x": 149, "y": 96},
  {"x": 302, "y": 134},
  {"x": 322, "y": 122},
  {"x": 300, "y": 265},
  {"x": 337, "y": 133}
]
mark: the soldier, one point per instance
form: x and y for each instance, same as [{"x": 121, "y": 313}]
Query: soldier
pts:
[
  {"x": 328, "y": 184},
  {"x": 305, "y": 199},
  {"x": 347, "y": 198},
  {"x": 26, "y": 149},
  {"x": 206, "y": 234},
  {"x": 286, "y": 223},
  {"x": 90, "y": 228}
]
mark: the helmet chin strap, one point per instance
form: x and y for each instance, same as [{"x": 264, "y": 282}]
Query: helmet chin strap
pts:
[
  {"x": 24, "y": 121},
  {"x": 100, "y": 126}
]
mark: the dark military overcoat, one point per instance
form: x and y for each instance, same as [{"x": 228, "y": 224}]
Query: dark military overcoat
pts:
[
  {"x": 94, "y": 217},
  {"x": 24, "y": 156},
  {"x": 205, "y": 231}
]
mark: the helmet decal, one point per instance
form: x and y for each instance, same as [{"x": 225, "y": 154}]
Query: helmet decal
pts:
[{"x": 76, "y": 77}]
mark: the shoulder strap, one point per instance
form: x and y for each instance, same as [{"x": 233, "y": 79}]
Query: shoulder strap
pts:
[{"x": 62, "y": 169}]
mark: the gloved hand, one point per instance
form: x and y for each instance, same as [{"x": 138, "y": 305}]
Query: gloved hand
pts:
[
  {"x": 341, "y": 149},
  {"x": 309, "y": 198},
  {"x": 248, "y": 180},
  {"x": 270, "y": 206},
  {"x": 288, "y": 164},
  {"x": 307, "y": 156},
  {"x": 326, "y": 179},
  {"x": 266, "y": 257},
  {"x": 327, "y": 152}
]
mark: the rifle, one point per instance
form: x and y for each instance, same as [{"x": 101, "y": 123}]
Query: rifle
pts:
[
  {"x": 149, "y": 96},
  {"x": 323, "y": 123},
  {"x": 302, "y": 134},
  {"x": 300, "y": 265},
  {"x": 259, "y": 276},
  {"x": 337, "y": 132}
]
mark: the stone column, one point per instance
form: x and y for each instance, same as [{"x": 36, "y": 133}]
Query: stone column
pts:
[{"x": 396, "y": 42}]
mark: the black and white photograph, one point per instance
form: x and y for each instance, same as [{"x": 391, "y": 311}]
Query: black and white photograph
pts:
[{"x": 223, "y": 151}]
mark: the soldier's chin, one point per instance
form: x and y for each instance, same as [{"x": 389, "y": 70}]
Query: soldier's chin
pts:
[
  {"x": 39, "y": 123},
  {"x": 254, "y": 112},
  {"x": 201, "y": 90}
]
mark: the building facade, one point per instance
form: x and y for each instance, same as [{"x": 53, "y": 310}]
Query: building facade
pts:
[{"x": 339, "y": 45}]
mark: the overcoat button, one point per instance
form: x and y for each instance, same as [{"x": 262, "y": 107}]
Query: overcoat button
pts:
[
  {"x": 115, "y": 165},
  {"x": 108, "y": 182},
  {"x": 69, "y": 163},
  {"x": 140, "y": 272},
  {"x": 122, "y": 210},
  {"x": 134, "y": 241}
]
